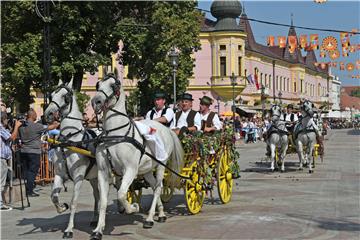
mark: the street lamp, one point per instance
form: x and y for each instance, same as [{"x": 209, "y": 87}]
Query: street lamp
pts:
[
  {"x": 280, "y": 94},
  {"x": 218, "y": 104},
  {"x": 263, "y": 100},
  {"x": 233, "y": 108},
  {"x": 174, "y": 58}
]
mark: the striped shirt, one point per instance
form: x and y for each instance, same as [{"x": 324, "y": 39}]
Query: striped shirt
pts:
[{"x": 5, "y": 142}]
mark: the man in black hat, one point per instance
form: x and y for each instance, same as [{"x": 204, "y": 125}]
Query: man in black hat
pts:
[
  {"x": 209, "y": 120},
  {"x": 187, "y": 120},
  {"x": 290, "y": 117},
  {"x": 160, "y": 112}
]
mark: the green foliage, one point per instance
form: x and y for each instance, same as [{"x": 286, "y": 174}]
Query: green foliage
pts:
[
  {"x": 82, "y": 100},
  {"x": 172, "y": 24},
  {"x": 355, "y": 93},
  {"x": 83, "y": 36}
]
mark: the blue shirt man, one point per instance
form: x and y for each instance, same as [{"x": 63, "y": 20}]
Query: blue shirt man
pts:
[{"x": 6, "y": 153}]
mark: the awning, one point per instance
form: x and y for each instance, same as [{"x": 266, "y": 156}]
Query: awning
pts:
[
  {"x": 242, "y": 110},
  {"x": 228, "y": 114}
]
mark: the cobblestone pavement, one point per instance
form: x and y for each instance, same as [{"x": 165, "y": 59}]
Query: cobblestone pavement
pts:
[{"x": 265, "y": 205}]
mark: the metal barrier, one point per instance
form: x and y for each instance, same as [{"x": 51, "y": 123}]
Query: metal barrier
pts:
[{"x": 46, "y": 170}]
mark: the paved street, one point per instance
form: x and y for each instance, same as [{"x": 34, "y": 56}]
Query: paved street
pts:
[{"x": 265, "y": 205}]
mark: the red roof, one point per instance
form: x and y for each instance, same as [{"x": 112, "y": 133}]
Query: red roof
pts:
[{"x": 348, "y": 101}]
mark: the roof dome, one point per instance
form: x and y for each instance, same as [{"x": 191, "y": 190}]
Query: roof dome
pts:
[
  {"x": 221, "y": 9},
  {"x": 226, "y": 13}
]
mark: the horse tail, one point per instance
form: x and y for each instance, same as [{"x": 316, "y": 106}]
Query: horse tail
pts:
[{"x": 177, "y": 160}]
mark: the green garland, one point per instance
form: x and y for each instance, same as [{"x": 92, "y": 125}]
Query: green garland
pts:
[{"x": 204, "y": 146}]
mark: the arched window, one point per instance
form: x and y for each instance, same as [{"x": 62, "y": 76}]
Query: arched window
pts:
[{"x": 266, "y": 81}]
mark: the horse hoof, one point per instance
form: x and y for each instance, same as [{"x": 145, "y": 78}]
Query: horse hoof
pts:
[
  {"x": 148, "y": 224},
  {"x": 300, "y": 169},
  {"x": 93, "y": 223},
  {"x": 62, "y": 208},
  {"x": 311, "y": 171},
  {"x": 68, "y": 235},
  {"x": 282, "y": 170},
  {"x": 162, "y": 219},
  {"x": 96, "y": 236}
]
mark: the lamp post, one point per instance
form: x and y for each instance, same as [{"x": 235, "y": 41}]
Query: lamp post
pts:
[
  {"x": 218, "y": 105},
  {"x": 280, "y": 94},
  {"x": 233, "y": 108},
  {"x": 174, "y": 58},
  {"x": 263, "y": 100}
]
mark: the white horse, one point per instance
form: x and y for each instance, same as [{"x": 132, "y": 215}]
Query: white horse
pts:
[
  {"x": 305, "y": 133},
  {"x": 122, "y": 151},
  {"x": 69, "y": 164},
  {"x": 277, "y": 136}
]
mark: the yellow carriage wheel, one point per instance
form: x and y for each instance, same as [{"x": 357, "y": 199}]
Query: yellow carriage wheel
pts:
[
  {"x": 134, "y": 196},
  {"x": 194, "y": 191},
  {"x": 224, "y": 176}
]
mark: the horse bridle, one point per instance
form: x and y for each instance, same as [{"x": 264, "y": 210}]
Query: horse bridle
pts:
[
  {"x": 277, "y": 115},
  {"x": 67, "y": 99},
  {"x": 303, "y": 108},
  {"x": 115, "y": 87}
]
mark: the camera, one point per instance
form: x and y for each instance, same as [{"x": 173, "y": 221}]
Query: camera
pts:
[{"x": 19, "y": 117}]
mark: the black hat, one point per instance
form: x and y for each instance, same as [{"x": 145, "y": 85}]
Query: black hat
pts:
[
  {"x": 159, "y": 95},
  {"x": 205, "y": 100},
  {"x": 187, "y": 96},
  {"x": 290, "y": 106}
]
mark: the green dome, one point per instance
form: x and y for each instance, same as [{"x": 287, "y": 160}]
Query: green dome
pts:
[
  {"x": 226, "y": 13},
  {"x": 223, "y": 9}
]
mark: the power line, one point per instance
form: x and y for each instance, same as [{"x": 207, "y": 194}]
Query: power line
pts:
[{"x": 287, "y": 25}]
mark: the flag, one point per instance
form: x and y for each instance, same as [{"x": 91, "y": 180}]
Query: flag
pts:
[
  {"x": 342, "y": 66},
  {"x": 314, "y": 41},
  {"x": 282, "y": 41},
  {"x": 270, "y": 41},
  {"x": 303, "y": 41},
  {"x": 358, "y": 64},
  {"x": 350, "y": 67},
  {"x": 322, "y": 53},
  {"x": 250, "y": 79},
  {"x": 292, "y": 43},
  {"x": 257, "y": 82}
]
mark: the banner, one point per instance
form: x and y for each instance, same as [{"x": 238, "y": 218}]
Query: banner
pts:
[
  {"x": 350, "y": 67},
  {"x": 334, "y": 54},
  {"x": 257, "y": 82},
  {"x": 250, "y": 79},
  {"x": 292, "y": 43},
  {"x": 303, "y": 41},
  {"x": 271, "y": 41},
  {"x": 314, "y": 41},
  {"x": 282, "y": 41},
  {"x": 329, "y": 43}
]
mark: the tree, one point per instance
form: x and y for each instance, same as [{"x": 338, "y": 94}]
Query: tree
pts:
[
  {"x": 355, "y": 93},
  {"x": 80, "y": 40},
  {"x": 160, "y": 25}
]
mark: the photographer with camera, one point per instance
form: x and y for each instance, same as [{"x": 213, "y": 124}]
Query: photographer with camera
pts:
[
  {"x": 6, "y": 153},
  {"x": 30, "y": 150}
]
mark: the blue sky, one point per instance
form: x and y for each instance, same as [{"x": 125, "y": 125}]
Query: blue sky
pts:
[{"x": 338, "y": 15}]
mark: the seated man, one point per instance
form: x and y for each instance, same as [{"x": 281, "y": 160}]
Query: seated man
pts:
[
  {"x": 160, "y": 112},
  {"x": 210, "y": 121},
  {"x": 186, "y": 120},
  {"x": 290, "y": 117}
]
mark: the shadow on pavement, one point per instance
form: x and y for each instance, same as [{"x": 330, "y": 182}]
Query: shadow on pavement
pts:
[
  {"x": 354, "y": 132},
  {"x": 59, "y": 223},
  {"x": 330, "y": 223}
]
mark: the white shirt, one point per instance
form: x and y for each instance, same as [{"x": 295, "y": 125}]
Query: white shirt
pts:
[
  {"x": 288, "y": 117},
  {"x": 216, "y": 121},
  {"x": 169, "y": 115},
  {"x": 183, "y": 123}
]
